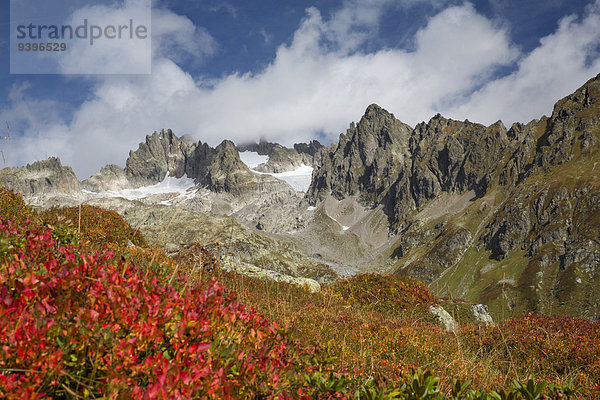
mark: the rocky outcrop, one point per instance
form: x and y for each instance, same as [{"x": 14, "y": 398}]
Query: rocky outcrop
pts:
[
  {"x": 453, "y": 156},
  {"x": 369, "y": 161},
  {"x": 573, "y": 126},
  {"x": 48, "y": 177},
  {"x": 160, "y": 155},
  {"x": 225, "y": 172},
  {"x": 164, "y": 154},
  {"x": 229, "y": 263},
  {"x": 529, "y": 240},
  {"x": 311, "y": 148},
  {"x": 111, "y": 177},
  {"x": 444, "y": 318},
  {"x": 481, "y": 314},
  {"x": 170, "y": 228}
]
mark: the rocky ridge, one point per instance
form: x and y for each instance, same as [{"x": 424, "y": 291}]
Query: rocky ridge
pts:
[
  {"x": 503, "y": 217},
  {"x": 386, "y": 162},
  {"x": 46, "y": 182}
]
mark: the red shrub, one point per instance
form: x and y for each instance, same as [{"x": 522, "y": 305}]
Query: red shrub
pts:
[{"x": 77, "y": 323}]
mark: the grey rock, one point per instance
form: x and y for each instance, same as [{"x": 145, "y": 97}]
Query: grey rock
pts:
[
  {"x": 164, "y": 154},
  {"x": 481, "y": 314},
  {"x": 229, "y": 263},
  {"x": 41, "y": 178},
  {"x": 226, "y": 172},
  {"x": 111, "y": 177},
  {"x": 281, "y": 158},
  {"x": 311, "y": 148},
  {"x": 445, "y": 319},
  {"x": 160, "y": 155},
  {"x": 508, "y": 231},
  {"x": 450, "y": 248},
  {"x": 385, "y": 162},
  {"x": 368, "y": 161}
]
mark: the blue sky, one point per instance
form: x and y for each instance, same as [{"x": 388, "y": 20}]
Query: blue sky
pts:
[{"x": 292, "y": 71}]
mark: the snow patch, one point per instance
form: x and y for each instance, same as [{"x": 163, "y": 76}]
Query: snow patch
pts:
[
  {"x": 252, "y": 159},
  {"x": 170, "y": 184},
  {"x": 311, "y": 208},
  {"x": 299, "y": 179},
  {"x": 345, "y": 228}
]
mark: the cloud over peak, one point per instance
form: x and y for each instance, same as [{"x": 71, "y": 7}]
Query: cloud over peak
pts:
[{"x": 315, "y": 84}]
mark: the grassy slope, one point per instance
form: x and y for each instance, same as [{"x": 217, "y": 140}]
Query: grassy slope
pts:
[
  {"x": 369, "y": 327},
  {"x": 510, "y": 286}
]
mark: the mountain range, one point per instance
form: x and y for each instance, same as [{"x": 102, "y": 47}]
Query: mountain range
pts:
[{"x": 507, "y": 217}]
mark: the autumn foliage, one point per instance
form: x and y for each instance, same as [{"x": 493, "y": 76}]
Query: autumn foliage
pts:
[
  {"x": 73, "y": 322},
  {"x": 89, "y": 310},
  {"x": 93, "y": 225}
]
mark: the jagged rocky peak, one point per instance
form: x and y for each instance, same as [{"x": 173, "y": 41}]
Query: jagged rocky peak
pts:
[
  {"x": 541, "y": 209},
  {"x": 573, "y": 127},
  {"x": 227, "y": 159},
  {"x": 366, "y": 161},
  {"x": 47, "y": 177},
  {"x": 311, "y": 148},
  {"x": 455, "y": 156},
  {"x": 385, "y": 162},
  {"x": 377, "y": 129},
  {"x": 575, "y": 120},
  {"x": 226, "y": 172},
  {"x": 162, "y": 154}
]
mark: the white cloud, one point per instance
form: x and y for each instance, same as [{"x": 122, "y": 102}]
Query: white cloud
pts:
[
  {"x": 267, "y": 37},
  {"x": 177, "y": 38},
  {"x": 317, "y": 84},
  {"x": 311, "y": 88},
  {"x": 353, "y": 23},
  {"x": 126, "y": 52},
  {"x": 562, "y": 62}
]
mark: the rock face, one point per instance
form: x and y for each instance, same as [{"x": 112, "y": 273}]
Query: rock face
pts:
[
  {"x": 161, "y": 154},
  {"x": 229, "y": 263},
  {"x": 444, "y": 318},
  {"x": 481, "y": 315},
  {"x": 164, "y": 154},
  {"x": 225, "y": 172},
  {"x": 384, "y": 161},
  {"x": 224, "y": 236},
  {"x": 527, "y": 240},
  {"x": 369, "y": 161},
  {"x": 453, "y": 156},
  {"x": 311, "y": 148},
  {"x": 48, "y": 177},
  {"x": 111, "y": 177}
]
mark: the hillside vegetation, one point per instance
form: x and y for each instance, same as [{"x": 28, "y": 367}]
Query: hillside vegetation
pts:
[{"x": 89, "y": 310}]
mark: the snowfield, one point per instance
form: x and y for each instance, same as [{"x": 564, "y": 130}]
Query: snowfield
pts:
[
  {"x": 170, "y": 184},
  {"x": 299, "y": 179},
  {"x": 252, "y": 159}
]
